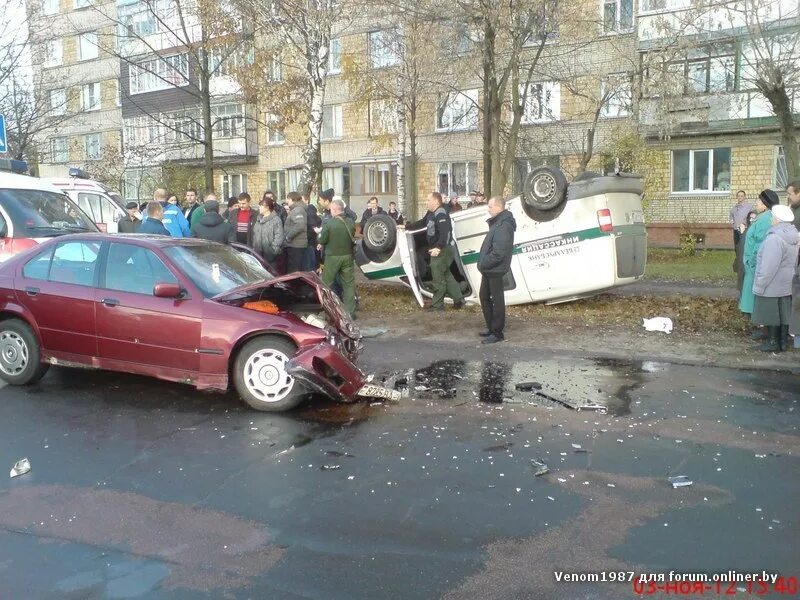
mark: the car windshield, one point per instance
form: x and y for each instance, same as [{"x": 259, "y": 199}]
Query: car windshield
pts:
[
  {"x": 215, "y": 268},
  {"x": 37, "y": 213}
]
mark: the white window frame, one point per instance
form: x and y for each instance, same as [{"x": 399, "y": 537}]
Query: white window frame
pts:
[
  {"x": 275, "y": 137},
  {"x": 382, "y": 54},
  {"x": 780, "y": 174},
  {"x": 161, "y": 73},
  {"x": 86, "y": 146},
  {"x": 59, "y": 154},
  {"x": 457, "y": 111},
  {"x": 649, "y": 6},
  {"x": 82, "y": 3},
  {"x": 469, "y": 184},
  {"x": 617, "y": 27},
  {"x": 542, "y": 103},
  {"x": 58, "y": 105},
  {"x": 620, "y": 101},
  {"x": 335, "y": 117},
  {"x": 228, "y": 121},
  {"x": 51, "y": 7},
  {"x": 693, "y": 190},
  {"x": 87, "y": 46},
  {"x": 275, "y": 73},
  {"x": 54, "y": 53},
  {"x": 279, "y": 189},
  {"x": 233, "y": 184},
  {"x": 335, "y": 57},
  {"x": 382, "y": 117},
  {"x": 87, "y": 96}
]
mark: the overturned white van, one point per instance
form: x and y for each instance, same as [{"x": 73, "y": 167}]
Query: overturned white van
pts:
[{"x": 572, "y": 241}]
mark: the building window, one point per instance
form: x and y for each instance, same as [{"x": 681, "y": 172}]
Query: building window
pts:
[
  {"x": 91, "y": 145},
  {"x": 457, "y": 178},
  {"x": 184, "y": 127},
  {"x": 617, "y": 16},
  {"x": 457, "y": 111},
  {"x": 58, "y": 102},
  {"x": 650, "y": 5},
  {"x": 616, "y": 94},
  {"x": 335, "y": 57},
  {"x": 275, "y": 69},
  {"x": 159, "y": 74},
  {"x": 87, "y": 46},
  {"x": 50, "y": 7},
  {"x": 542, "y": 103},
  {"x": 54, "y": 53},
  {"x": 332, "y": 121},
  {"x": 229, "y": 120},
  {"x": 233, "y": 185},
  {"x": 540, "y": 24},
  {"x": 781, "y": 174},
  {"x": 90, "y": 96},
  {"x": 374, "y": 178},
  {"x": 82, "y": 3},
  {"x": 707, "y": 70},
  {"x": 276, "y": 183},
  {"x": 382, "y": 117},
  {"x": 701, "y": 170},
  {"x": 59, "y": 149},
  {"x": 117, "y": 92},
  {"x": 275, "y": 135},
  {"x": 384, "y": 48}
]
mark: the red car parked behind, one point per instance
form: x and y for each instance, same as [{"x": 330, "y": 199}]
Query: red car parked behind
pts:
[{"x": 182, "y": 310}]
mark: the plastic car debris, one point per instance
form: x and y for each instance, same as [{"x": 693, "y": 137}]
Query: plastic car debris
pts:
[
  {"x": 22, "y": 466},
  {"x": 372, "y": 332},
  {"x": 540, "y": 468},
  {"x": 658, "y": 324},
  {"x": 330, "y": 467},
  {"x": 528, "y": 386},
  {"x": 680, "y": 481}
]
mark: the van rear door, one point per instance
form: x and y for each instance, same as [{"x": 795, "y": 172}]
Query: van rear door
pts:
[{"x": 405, "y": 244}]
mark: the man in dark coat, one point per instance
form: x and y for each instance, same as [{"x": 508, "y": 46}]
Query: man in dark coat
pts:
[
  {"x": 152, "y": 224},
  {"x": 212, "y": 226},
  {"x": 372, "y": 209},
  {"x": 243, "y": 218},
  {"x": 395, "y": 214},
  {"x": 313, "y": 222},
  {"x": 439, "y": 234},
  {"x": 130, "y": 222},
  {"x": 494, "y": 263}
]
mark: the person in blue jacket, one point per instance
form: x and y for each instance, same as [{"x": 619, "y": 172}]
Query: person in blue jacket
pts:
[{"x": 174, "y": 220}]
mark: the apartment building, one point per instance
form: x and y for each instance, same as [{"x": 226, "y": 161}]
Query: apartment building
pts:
[
  {"x": 77, "y": 76},
  {"x": 714, "y": 131}
]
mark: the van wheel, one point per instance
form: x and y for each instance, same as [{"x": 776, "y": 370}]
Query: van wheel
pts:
[
  {"x": 260, "y": 376},
  {"x": 545, "y": 188},
  {"x": 20, "y": 354},
  {"x": 380, "y": 233}
]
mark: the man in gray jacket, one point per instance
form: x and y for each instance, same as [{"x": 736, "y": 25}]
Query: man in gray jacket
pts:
[
  {"x": 772, "y": 285},
  {"x": 295, "y": 233},
  {"x": 493, "y": 264}
]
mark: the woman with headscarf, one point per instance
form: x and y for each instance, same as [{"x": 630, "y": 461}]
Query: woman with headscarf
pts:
[
  {"x": 752, "y": 243},
  {"x": 772, "y": 286}
]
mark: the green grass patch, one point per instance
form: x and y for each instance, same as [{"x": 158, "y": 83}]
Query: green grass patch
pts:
[{"x": 707, "y": 266}]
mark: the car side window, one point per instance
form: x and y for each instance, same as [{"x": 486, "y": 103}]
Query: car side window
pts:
[
  {"x": 3, "y": 227},
  {"x": 39, "y": 266},
  {"x": 134, "y": 269},
  {"x": 75, "y": 262}
]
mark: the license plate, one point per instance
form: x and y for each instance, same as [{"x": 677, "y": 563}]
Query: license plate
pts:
[{"x": 376, "y": 391}]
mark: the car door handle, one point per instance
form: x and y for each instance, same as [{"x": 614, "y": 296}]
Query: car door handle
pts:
[
  {"x": 109, "y": 302},
  {"x": 31, "y": 291}
]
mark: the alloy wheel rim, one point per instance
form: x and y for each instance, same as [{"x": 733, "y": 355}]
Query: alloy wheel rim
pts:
[
  {"x": 14, "y": 353},
  {"x": 265, "y": 375}
]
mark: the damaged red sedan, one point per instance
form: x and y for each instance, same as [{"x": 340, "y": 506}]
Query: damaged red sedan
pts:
[{"x": 182, "y": 310}]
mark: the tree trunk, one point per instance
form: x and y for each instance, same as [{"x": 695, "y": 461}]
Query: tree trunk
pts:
[
  {"x": 411, "y": 173},
  {"x": 208, "y": 126},
  {"x": 782, "y": 107},
  {"x": 489, "y": 83},
  {"x": 312, "y": 153},
  {"x": 401, "y": 151}
]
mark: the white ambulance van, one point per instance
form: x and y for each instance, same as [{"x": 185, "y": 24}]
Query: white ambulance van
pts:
[{"x": 105, "y": 206}]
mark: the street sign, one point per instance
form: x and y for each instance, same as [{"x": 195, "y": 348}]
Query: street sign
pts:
[{"x": 3, "y": 145}]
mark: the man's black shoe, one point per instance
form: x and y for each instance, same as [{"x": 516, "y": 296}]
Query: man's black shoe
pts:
[
  {"x": 459, "y": 305},
  {"x": 492, "y": 339},
  {"x": 486, "y": 333}
]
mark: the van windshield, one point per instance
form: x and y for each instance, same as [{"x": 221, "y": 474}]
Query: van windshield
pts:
[{"x": 38, "y": 213}]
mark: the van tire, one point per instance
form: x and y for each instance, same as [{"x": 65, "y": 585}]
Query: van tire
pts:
[
  {"x": 545, "y": 188},
  {"x": 380, "y": 233}
]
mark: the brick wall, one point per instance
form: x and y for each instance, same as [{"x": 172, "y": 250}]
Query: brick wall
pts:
[{"x": 668, "y": 235}]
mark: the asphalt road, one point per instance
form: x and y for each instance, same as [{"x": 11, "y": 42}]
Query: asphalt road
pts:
[{"x": 142, "y": 489}]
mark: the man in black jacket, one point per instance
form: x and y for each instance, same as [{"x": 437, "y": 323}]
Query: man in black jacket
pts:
[
  {"x": 372, "y": 209},
  {"x": 212, "y": 226},
  {"x": 494, "y": 263},
  {"x": 130, "y": 222},
  {"x": 153, "y": 224},
  {"x": 439, "y": 233}
]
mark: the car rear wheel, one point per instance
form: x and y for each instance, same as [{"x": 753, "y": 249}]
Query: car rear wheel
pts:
[
  {"x": 545, "y": 188},
  {"x": 20, "y": 354},
  {"x": 261, "y": 378},
  {"x": 380, "y": 233}
]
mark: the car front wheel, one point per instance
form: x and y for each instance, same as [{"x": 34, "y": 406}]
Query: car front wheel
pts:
[
  {"x": 20, "y": 354},
  {"x": 261, "y": 378}
]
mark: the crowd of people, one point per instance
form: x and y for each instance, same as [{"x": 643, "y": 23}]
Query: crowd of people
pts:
[{"x": 767, "y": 241}]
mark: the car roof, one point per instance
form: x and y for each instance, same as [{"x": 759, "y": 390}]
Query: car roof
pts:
[
  {"x": 12, "y": 181},
  {"x": 160, "y": 241},
  {"x": 76, "y": 184}
]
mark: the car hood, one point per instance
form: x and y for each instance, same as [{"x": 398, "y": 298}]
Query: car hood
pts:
[{"x": 329, "y": 301}]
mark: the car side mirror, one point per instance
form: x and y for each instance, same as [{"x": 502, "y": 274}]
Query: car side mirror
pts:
[{"x": 167, "y": 290}]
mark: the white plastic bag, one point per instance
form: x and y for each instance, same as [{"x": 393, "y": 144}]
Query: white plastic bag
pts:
[{"x": 658, "y": 324}]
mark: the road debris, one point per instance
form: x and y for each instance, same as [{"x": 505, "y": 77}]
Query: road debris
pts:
[
  {"x": 22, "y": 466},
  {"x": 528, "y": 386},
  {"x": 658, "y": 324},
  {"x": 680, "y": 481},
  {"x": 330, "y": 467},
  {"x": 372, "y": 332},
  {"x": 540, "y": 468}
]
